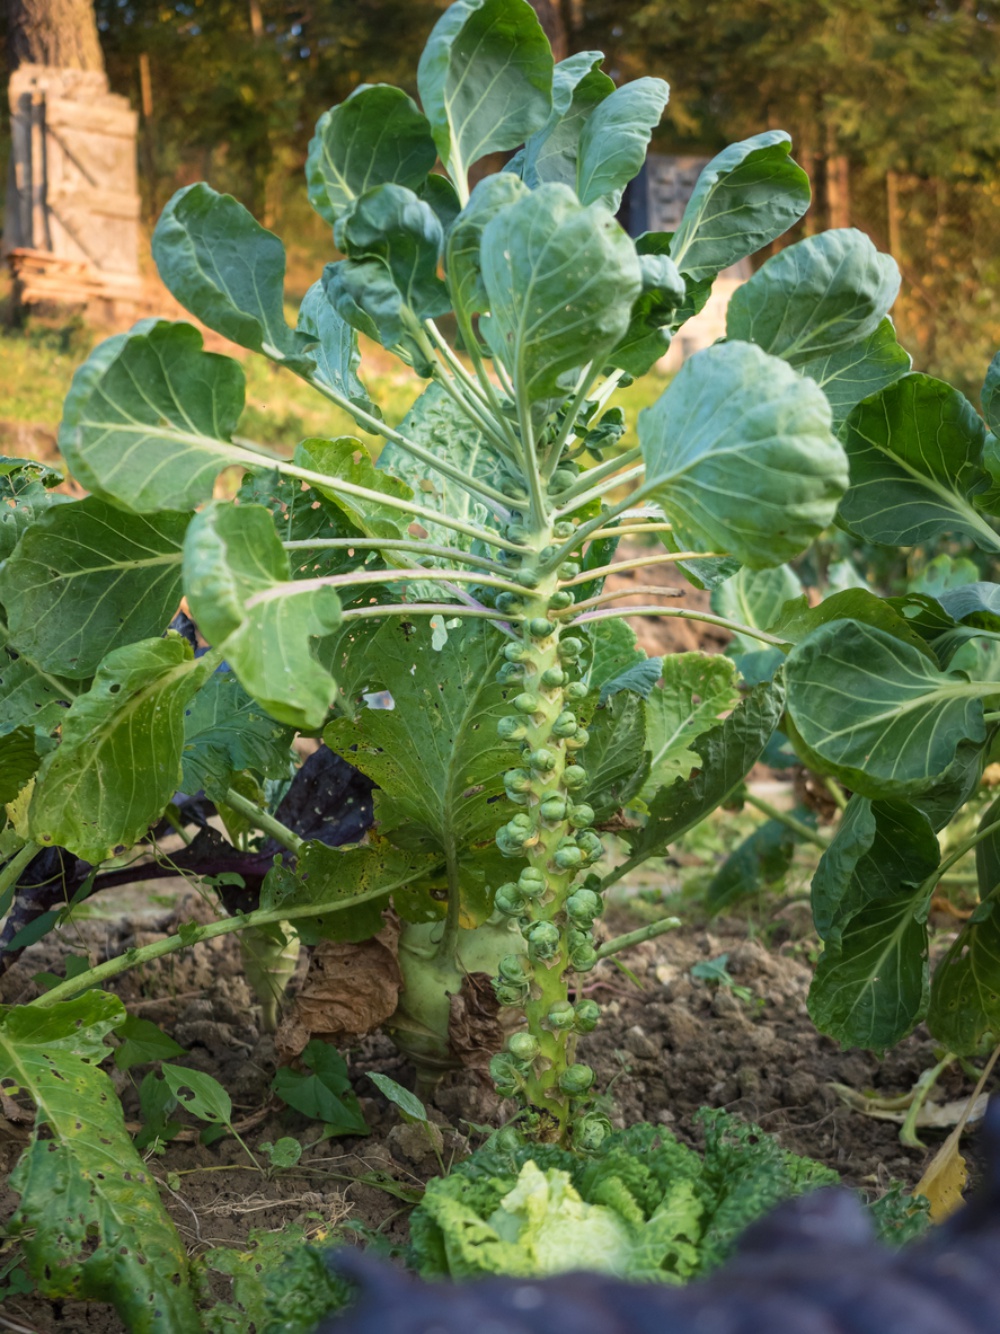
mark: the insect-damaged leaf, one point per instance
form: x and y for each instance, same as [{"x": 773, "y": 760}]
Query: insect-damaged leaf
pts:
[
  {"x": 695, "y": 690},
  {"x": 226, "y": 732},
  {"x": 90, "y": 1222}
]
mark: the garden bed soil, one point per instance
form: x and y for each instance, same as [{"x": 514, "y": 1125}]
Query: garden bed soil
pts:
[{"x": 667, "y": 1046}]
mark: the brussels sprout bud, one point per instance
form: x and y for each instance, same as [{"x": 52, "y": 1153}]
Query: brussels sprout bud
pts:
[
  {"x": 529, "y": 577},
  {"x": 515, "y": 532},
  {"x": 509, "y": 602},
  {"x": 563, "y": 529},
  {"x": 505, "y": 1074},
  {"x": 565, "y": 725},
  {"x": 590, "y": 1132},
  {"x": 540, "y": 628},
  {"x": 514, "y": 968},
  {"x": 526, "y": 702},
  {"x": 576, "y": 1080},
  {"x": 517, "y": 653},
  {"x": 583, "y": 958},
  {"x": 590, "y": 845},
  {"x": 508, "y": 1138},
  {"x": 574, "y": 777},
  {"x": 509, "y": 994},
  {"x": 578, "y": 740},
  {"x": 570, "y": 648},
  {"x": 553, "y": 808},
  {"x": 517, "y": 780},
  {"x": 553, "y": 677},
  {"x": 509, "y": 901},
  {"x": 523, "y": 1047},
  {"x": 531, "y": 882},
  {"x": 561, "y": 1015},
  {"x": 510, "y": 839},
  {"x": 581, "y": 816},
  {"x": 511, "y": 729},
  {"x": 510, "y": 671},
  {"x": 569, "y": 569},
  {"x": 560, "y": 600},
  {"x": 560, "y": 480},
  {"x": 542, "y": 759},
  {"x": 583, "y": 906},
  {"x": 543, "y": 940},
  {"x": 588, "y": 1013},
  {"x": 567, "y": 859},
  {"x": 577, "y": 690}
]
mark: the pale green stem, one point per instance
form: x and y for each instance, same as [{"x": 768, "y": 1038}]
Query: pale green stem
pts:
[
  {"x": 966, "y": 846},
  {"x": 637, "y": 937},
  {"x": 585, "y": 531},
  {"x": 594, "y": 475},
  {"x": 193, "y": 935},
  {"x": 789, "y": 821},
  {"x": 411, "y": 547},
  {"x": 458, "y": 370},
  {"x": 569, "y": 421},
  {"x": 685, "y": 614},
  {"x": 10, "y": 874},
  {"x": 426, "y": 609},
  {"x": 908, "y": 1131},
  {"x": 627, "y": 530},
  {"x": 539, "y": 509},
  {"x": 479, "y": 420},
  {"x": 836, "y": 792},
  {"x": 616, "y": 594},
  {"x": 638, "y": 563},
  {"x": 357, "y": 578},
  {"x": 596, "y": 492},
  {"x": 991, "y": 717},
  {"x": 267, "y": 823},
  {"x": 265, "y": 450},
  {"x": 488, "y": 388}
]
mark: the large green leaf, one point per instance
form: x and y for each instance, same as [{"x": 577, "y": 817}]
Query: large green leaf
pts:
[
  {"x": 561, "y": 280},
  {"x": 436, "y": 422},
  {"x": 228, "y": 271},
  {"x": 236, "y": 577},
  {"x": 746, "y": 197},
  {"x": 25, "y": 493},
  {"x": 728, "y": 752},
  {"x": 376, "y": 136},
  {"x": 740, "y": 455},
  {"x": 303, "y": 514},
  {"x": 435, "y": 754},
  {"x": 19, "y": 759},
  {"x": 663, "y": 289},
  {"x": 615, "y": 756},
  {"x": 798, "y": 619},
  {"x": 148, "y": 419},
  {"x": 755, "y": 598},
  {"x": 334, "y": 353},
  {"x": 858, "y": 371},
  {"x": 90, "y": 1222},
  {"x": 552, "y": 153},
  {"x": 225, "y": 732},
  {"x": 876, "y": 712},
  {"x": 88, "y": 577},
  {"x": 696, "y": 689},
  {"x": 29, "y": 695},
  {"x": 347, "y": 460},
  {"x": 820, "y": 296},
  {"x": 391, "y": 224},
  {"x": 462, "y": 251},
  {"x": 119, "y": 760},
  {"x": 485, "y": 80},
  {"x": 614, "y": 139},
  {"x": 916, "y": 456}
]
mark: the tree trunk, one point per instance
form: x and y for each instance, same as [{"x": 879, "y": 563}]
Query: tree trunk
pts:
[
  {"x": 553, "y": 21},
  {"x": 62, "y": 33}
]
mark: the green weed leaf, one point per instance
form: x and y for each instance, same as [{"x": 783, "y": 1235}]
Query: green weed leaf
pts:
[{"x": 324, "y": 1093}]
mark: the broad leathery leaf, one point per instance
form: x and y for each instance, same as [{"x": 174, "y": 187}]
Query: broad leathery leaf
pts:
[
  {"x": 615, "y": 757},
  {"x": 613, "y": 650},
  {"x": 552, "y": 153},
  {"x": 227, "y": 732},
  {"x": 728, "y": 752},
  {"x": 25, "y": 493},
  {"x": 854, "y": 837},
  {"x": 875, "y": 712},
  {"x": 89, "y": 577},
  {"x": 346, "y": 459},
  {"x": 755, "y": 598},
  {"x": 435, "y": 755},
  {"x": 740, "y": 455},
  {"x": 462, "y": 248},
  {"x": 364, "y": 293},
  {"x": 761, "y": 860},
  {"x": 819, "y": 296},
  {"x": 236, "y": 578},
  {"x": 19, "y": 759},
  {"x": 29, "y": 695},
  {"x": 916, "y": 457},
  {"x": 436, "y": 422},
  {"x": 302, "y": 514},
  {"x": 746, "y": 197},
  {"x": 663, "y": 290},
  {"x": 695, "y": 690},
  {"x": 858, "y": 371},
  {"x": 119, "y": 761},
  {"x": 639, "y": 678},
  {"x": 990, "y": 396},
  {"x": 228, "y": 271},
  {"x": 148, "y": 418},
  {"x": 965, "y": 992},
  {"x": 561, "y": 280},
  {"x": 614, "y": 140},
  {"x": 331, "y": 877},
  {"x": 485, "y": 80},
  {"x": 375, "y": 137},
  {"x": 798, "y": 620},
  {"x": 391, "y": 224},
  {"x": 976, "y": 604},
  {"x": 441, "y": 195},
  {"x": 334, "y": 353},
  {"x": 90, "y": 1222}
]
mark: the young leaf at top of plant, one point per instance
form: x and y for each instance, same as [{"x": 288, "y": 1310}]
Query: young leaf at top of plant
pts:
[
  {"x": 463, "y": 260},
  {"x": 229, "y": 271},
  {"x": 485, "y": 81},
  {"x": 816, "y": 297},
  {"x": 740, "y": 455},
  {"x": 552, "y": 153},
  {"x": 614, "y": 140},
  {"x": 375, "y": 137},
  {"x": 746, "y": 197},
  {"x": 859, "y": 370}
]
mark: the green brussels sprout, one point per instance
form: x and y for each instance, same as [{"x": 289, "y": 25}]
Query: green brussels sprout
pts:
[
  {"x": 509, "y": 900},
  {"x": 542, "y": 759},
  {"x": 517, "y": 653},
  {"x": 590, "y": 845},
  {"x": 560, "y": 600},
  {"x": 570, "y": 648},
  {"x": 574, "y": 777},
  {"x": 543, "y": 940},
  {"x": 528, "y": 577},
  {"x": 510, "y": 671},
  {"x": 576, "y": 1080},
  {"x": 581, "y": 816},
  {"x": 564, "y": 528},
  {"x": 515, "y": 532},
  {"x": 588, "y": 1013},
  {"x": 505, "y": 1074},
  {"x": 508, "y": 1138},
  {"x": 507, "y": 993},
  {"x": 561, "y": 1015},
  {"x": 553, "y": 808},
  {"x": 517, "y": 780},
  {"x": 583, "y": 905},
  {"x": 583, "y": 958},
  {"x": 527, "y": 702},
  {"x": 514, "y": 491},
  {"x": 577, "y": 690},
  {"x": 553, "y": 677},
  {"x": 565, "y": 725},
  {"x": 568, "y": 858},
  {"x": 540, "y": 628},
  {"x": 511, "y": 838},
  {"x": 509, "y": 602},
  {"x": 578, "y": 740},
  {"x": 523, "y": 1047},
  {"x": 531, "y": 882},
  {"x": 590, "y": 1132},
  {"x": 560, "y": 480},
  {"x": 514, "y": 968},
  {"x": 569, "y": 569},
  {"x": 511, "y": 729}
]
